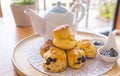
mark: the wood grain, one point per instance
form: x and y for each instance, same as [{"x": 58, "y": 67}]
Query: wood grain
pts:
[
  {"x": 0, "y": 10},
  {"x": 10, "y": 34}
]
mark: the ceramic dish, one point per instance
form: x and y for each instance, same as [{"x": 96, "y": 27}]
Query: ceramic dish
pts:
[
  {"x": 19, "y": 54},
  {"x": 107, "y": 58},
  {"x": 109, "y": 52}
]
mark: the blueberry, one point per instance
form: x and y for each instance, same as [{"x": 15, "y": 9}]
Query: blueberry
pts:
[
  {"x": 83, "y": 59},
  {"x": 54, "y": 59},
  {"x": 49, "y": 60},
  {"x": 103, "y": 53},
  {"x": 114, "y": 53},
  {"x": 110, "y": 53},
  {"x": 99, "y": 43},
  {"x": 96, "y": 43},
  {"x": 47, "y": 63},
  {"x": 80, "y": 58}
]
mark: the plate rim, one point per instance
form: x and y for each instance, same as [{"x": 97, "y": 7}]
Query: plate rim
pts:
[{"x": 17, "y": 68}]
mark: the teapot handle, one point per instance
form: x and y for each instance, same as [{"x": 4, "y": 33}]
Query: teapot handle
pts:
[{"x": 78, "y": 19}]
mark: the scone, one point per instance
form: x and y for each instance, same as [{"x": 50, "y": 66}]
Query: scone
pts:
[
  {"x": 63, "y": 37},
  {"x": 80, "y": 42},
  {"x": 54, "y": 60},
  {"x": 76, "y": 58},
  {"x": 88, "y": 47},
  {"x": 46, "y": 46}
]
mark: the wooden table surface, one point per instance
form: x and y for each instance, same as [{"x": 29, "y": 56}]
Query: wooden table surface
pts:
[{"x": 10, "y": 34}]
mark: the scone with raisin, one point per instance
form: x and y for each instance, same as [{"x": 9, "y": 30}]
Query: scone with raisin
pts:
[
  {"x": 54, "y": 60},
  {"x": 88, "y": 47},
  {"x": 46, "y": 46},
  {"x": 75, "y": 58},
  {"x": 63, "y": 37}
]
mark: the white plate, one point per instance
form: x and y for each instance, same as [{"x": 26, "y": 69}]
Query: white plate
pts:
[{"x": 20, "y": 51}]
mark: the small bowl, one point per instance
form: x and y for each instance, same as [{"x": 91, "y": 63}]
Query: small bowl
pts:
[{"x": 106, "y": 58}]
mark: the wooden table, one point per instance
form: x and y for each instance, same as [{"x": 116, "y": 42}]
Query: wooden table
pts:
[
  {"x": 10, "y": 34},
  {"x": 8, "y": 38}
]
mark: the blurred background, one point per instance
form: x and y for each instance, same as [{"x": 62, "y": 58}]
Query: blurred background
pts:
[{"x": 98, "y": 17}]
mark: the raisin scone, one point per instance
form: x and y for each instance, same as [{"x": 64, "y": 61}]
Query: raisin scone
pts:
[
  {"x": 46, "y": 46},
  {"x": 63, "y": 37},
  {"x": 88, "y": 47},
  {"x": 76, "y": 58},
  {"x": 54, "y": 60}
]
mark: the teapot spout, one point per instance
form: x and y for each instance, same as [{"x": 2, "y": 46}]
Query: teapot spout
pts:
[{"x": 38, "y": 23}]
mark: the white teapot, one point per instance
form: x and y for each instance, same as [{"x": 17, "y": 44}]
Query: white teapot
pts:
[{"x": 54, "y": 17}]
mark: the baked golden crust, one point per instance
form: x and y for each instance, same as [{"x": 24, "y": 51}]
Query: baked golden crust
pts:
[
  {"x": 65, "y": 50},
  {"x": 64, "y": 43},
  {"x": 54, "y": 60},
  {"x": 88, "y": 47},
  {"x": 46, "y": 46},
  {"x": 62, "y": 31},
  {"x": 76, "y": 58},
  {"x": 80, "y": 42},
  {"x": 63, "y": 37}
]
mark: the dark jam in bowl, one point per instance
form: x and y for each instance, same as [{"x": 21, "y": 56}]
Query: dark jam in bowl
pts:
[
  {"x": 110, "y": 53},
  {"x": 98, "y": 43}
]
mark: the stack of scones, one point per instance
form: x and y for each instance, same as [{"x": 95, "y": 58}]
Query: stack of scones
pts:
[{"x": 64, "y": 50}]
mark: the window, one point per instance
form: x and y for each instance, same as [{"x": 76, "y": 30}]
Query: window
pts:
[
  {"x": 117, "y": 16},
  {"x": 100, "y": 16}
]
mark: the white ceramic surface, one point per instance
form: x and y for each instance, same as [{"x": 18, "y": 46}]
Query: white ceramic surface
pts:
[
  {"x": 105, "y": 58},
  {"x": 110, "y": 43},
  {"x": 45, "y": 25}
]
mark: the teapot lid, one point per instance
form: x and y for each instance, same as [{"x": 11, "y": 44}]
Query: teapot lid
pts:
[{"x": 58, "y": 8}]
